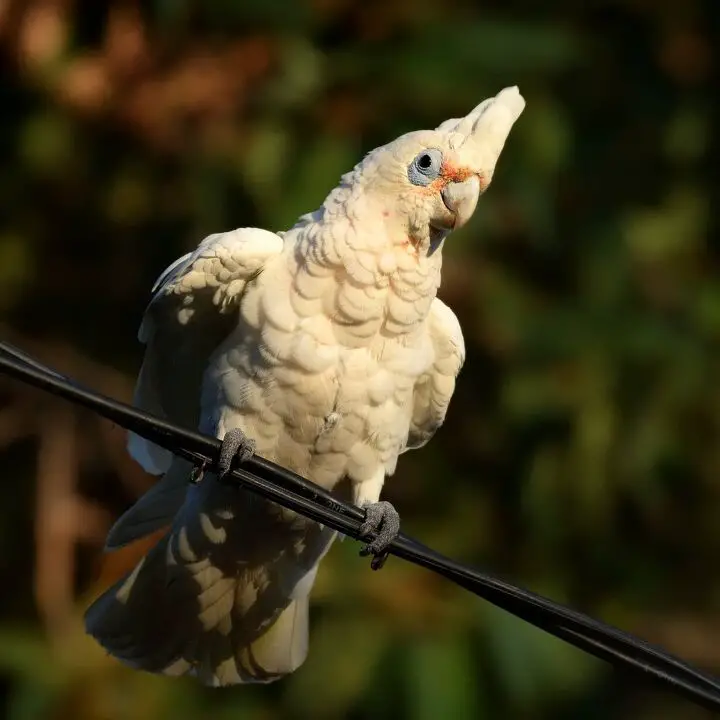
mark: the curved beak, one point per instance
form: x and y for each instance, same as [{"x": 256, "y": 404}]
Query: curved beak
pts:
[{"x": 460, "y": 199}]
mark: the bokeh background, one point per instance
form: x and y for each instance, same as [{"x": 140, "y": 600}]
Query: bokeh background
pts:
[{"x": 581, "y": 456}]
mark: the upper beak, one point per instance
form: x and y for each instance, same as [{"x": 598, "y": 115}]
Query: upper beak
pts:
[{"x": 460, "y": 199}]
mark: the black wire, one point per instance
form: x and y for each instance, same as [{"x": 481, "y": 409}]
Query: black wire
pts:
[{"x": 286, "y": 488}]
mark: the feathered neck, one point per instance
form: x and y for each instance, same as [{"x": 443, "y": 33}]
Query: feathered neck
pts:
[{"x": 378, "y": 281}]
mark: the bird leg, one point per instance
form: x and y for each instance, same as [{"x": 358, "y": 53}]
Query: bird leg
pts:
[
  {"x": 381, "y": 527},
  {"x": 235, "y": 445}
]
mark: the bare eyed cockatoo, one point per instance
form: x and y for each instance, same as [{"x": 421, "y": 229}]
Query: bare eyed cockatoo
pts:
[{"x": 324, "y": 349}]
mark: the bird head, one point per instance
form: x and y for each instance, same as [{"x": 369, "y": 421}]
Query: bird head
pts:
[{"x": 427, "y": 183}]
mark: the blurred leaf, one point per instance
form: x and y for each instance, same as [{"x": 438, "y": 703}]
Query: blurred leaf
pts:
[
  {"x": 47, "y": 143},
  {"x": 531, "y": 664},
  {"x": 547, "y": 139},
  {"x": 25, "y": 652},
  {"x": 687, "y": 134},
  {"x": 484, "y": 47},
  {"x": 674, "y": 228},
  {"x": 300, "y": 76},
  {"x": 15, "y": 268},
  {"x": 316, "y": 170},
  {"x": 31, "y": 701},
  {"x": 440, "y": 679},
  {"x": 336, "y": 682},
  {"x": 264, "y": 161},
  {"x": 129, "y": 198}
]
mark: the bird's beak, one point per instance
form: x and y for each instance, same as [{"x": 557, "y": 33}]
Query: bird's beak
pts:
[
  {"x": 460, "y": 198},
  {"x": 482, "y": 133}
]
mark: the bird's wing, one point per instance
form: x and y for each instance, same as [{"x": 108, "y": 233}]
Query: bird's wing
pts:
[
  {"x": 193, "y": 309},
  {"x": 434, "y": 390}
]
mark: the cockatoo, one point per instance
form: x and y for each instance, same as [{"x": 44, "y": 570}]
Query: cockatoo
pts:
[{"x": 324, "y": 349}]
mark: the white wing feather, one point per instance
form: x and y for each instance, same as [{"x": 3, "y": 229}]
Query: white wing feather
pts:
[
  {"x": 434, "y": 390},
  {"x": 187, "y": 318}
]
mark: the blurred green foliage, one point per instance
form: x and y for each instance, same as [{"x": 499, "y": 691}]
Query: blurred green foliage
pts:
[{"x": 580, "y": 457}]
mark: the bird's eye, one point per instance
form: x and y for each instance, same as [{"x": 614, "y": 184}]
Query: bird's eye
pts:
[
  {"x": 424, "y": 161},
  {"x": 425, "y": 167}
]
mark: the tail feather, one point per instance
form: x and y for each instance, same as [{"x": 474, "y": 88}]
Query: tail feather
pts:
[
  {"x": 223, "y": 596},
  {"x": 154, "y": 510}
]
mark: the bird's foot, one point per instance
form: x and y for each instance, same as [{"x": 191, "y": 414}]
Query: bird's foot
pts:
[
  {"x": 383, "y": 522},
  {"x": 235, "y": 444}
]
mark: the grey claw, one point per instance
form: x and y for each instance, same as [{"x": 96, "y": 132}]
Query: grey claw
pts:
[
  {"x": 383, "y": 521},
  {"x": 235, "y": 444}
]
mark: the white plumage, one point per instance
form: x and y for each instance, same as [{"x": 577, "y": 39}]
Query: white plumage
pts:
[{"x": 327, "y": 345}]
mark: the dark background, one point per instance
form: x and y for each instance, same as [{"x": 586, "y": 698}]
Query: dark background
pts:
[{"x": 580, "y": 457}]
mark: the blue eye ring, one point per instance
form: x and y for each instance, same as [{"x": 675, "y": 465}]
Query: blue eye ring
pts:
[{"x": 425, "y": 167}]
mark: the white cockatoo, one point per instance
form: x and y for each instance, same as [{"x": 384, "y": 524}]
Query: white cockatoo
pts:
[{"x": 323, "y": 349}]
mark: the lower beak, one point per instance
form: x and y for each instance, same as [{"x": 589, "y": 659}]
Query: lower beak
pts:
[{"x": 460, "y": 199}]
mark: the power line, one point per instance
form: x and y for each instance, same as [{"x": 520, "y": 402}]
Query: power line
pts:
[{"x": 288, "y": 489}]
